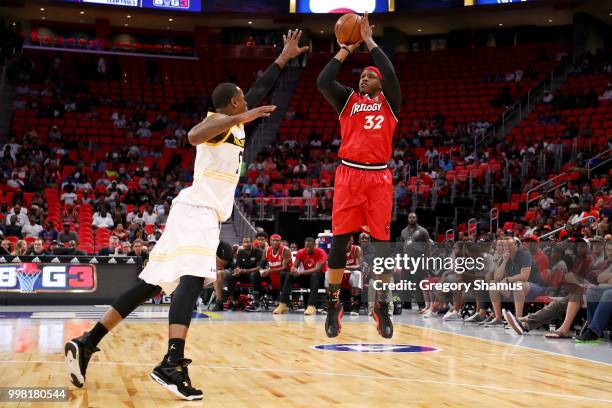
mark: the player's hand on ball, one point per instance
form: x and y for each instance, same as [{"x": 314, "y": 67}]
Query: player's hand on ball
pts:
[
  {"x": 256, "y": 113},
  {"x": 366, "y": 28},
  {"x": 291, "y": 44},
  {"x": 351, "y": 47}
]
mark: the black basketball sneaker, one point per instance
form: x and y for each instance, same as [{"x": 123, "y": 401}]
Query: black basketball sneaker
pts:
[
  {"x": 175, "y": 378},
  {"x": 384, "y": 325},
  {"x": 334, "y": 315},
  {"x": 78, "y": 352}
]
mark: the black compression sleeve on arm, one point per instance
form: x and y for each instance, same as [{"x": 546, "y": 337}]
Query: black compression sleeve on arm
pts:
[
  {"x": 335, "y": 93},
  {"x": 391, "y": 86},
  {"x": 262, "y": 86}
]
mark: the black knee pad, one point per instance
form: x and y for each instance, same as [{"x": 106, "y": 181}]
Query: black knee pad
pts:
[
  {"x": 337, "y": 254},
  {"x": 184, "y": 299},
  {"x": 130, "y": 300}
]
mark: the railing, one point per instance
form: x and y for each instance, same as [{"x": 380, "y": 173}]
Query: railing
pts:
[
  {"x": 242, "y": 225},
  {"x": 539, "y": 186},
  {"x": 591, "y": 167},
  {"x": 315, "y": 207},
  {"x": 510, "y": 114},
  {"x": 554, "y": 232}
]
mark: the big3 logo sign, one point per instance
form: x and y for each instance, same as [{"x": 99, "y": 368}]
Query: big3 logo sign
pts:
[{"x": 52, "y": 278}]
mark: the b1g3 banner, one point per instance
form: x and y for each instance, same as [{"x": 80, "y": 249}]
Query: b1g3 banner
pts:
[
  {"x": 29, "y": 283},
  {"x": 30, "y": 277}
]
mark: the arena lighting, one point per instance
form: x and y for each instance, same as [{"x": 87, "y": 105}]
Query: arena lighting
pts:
[
  {"x": 128, "y": 16},
  {"x": 170, "y": 19},
  {"x": 43, "y": 17},
  {"x": 500, "y": 24},
  {"x": 42, "y": 9},
  {"x": 550, "y": 20},
  {"x": 322, "y": 31},
  {"x": 419, "y": 30},
  {"x": 125, "y": 25},
  {"x": 82, "y": 12}
]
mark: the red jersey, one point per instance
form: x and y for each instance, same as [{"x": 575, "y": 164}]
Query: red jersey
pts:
[
  {"x": 351, "y": 256},
  {"x": 366, "y": 127},
  {"x": 309, "y": 261},
  {"x": 275, "y": 260}
]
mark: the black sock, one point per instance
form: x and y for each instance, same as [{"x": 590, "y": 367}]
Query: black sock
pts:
[
  {"x": 333, "y": 292},
  {"x": 97, "y": 333},
  {"x": 176, "y": 348}
]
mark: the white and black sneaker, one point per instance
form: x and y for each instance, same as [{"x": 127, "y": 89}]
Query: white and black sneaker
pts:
[
  {"x": 515, "y": 323},
  {"x": 475, "y": 318},
  {"x": 175, "y": 378},
  {"x": 78, "y": 352}
]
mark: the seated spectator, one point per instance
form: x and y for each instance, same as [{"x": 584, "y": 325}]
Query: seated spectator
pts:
[
  {"x": 139, "y": 249},
  {"x": 136, "y": 217},
  {"x": 599, "y": 308},
  {"x": 248, "y": 263},
  {"x": 38, "y": 248},
  {"x": 308, "y": 271},
  {"x": 70, "y": 214},
  {"x": 149, "y": 216},
  {"x": 111, "y": 249},
  {"x": 15, "y": 182},
  {"x": 66, "y": 235},
  {"x": 69, "y": 197},
  {"x": 5, "y": 247},
  {"x": 72, "y": 245},
  {"x": 54, "y": 134},
  {"x": 162, "y": 215},
  {"x": 300, "y": 169},
  {"x": 548, "y": 97},
  {"x": 517, "y": 266},
  {"x": 124, "y": 249},
  {"x": 102, "y": 219},
  {"x": 21, "y": 248},
  {"x": 20, "y": 213},
  {"x": 120, "y": 232},
  {"x": 13, "y": 229},
  {"x": 32, "y": 228},
  {"x": 607, "y": 95},
  {"x": 144, "y": 132},
  {"x": 296, "y": 190},
  {"x": 49, "y": 233}
]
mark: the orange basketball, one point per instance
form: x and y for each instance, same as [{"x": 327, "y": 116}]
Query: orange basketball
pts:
[{"x": 348, "y": 29}]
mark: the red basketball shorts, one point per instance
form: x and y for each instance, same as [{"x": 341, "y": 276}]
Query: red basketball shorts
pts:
[{"x": 363, "y": 200}]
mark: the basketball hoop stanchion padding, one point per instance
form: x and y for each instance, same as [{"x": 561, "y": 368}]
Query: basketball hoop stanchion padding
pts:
[{"x": 27, "y": 280}]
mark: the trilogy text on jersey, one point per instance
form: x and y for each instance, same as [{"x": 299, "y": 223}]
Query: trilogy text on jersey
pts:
[{"x": 365, "y": 107}]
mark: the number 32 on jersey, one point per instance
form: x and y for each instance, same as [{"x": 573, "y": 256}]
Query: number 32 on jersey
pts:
[{"x": 373, "y": 122}]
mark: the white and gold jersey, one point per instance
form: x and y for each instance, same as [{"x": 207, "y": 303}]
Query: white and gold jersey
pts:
[{"x": 216, "y": 173}]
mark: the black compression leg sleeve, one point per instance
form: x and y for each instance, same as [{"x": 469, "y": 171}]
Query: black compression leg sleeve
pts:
[
  {"x": 130, "y": 300},
  {"x": 337, "y": 253},
  {"x": 184, "y": 299}
]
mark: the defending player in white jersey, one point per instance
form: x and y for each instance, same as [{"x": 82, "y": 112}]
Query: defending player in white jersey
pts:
[{"x": 185, "y": 254}]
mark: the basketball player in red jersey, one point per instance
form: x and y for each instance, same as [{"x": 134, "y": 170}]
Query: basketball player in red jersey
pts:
[
  {"x": 363, "y": 189},
  {"x": 278, "y": 258}
]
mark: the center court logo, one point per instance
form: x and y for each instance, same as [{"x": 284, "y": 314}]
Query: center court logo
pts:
[{"x": 375, "y": 348}]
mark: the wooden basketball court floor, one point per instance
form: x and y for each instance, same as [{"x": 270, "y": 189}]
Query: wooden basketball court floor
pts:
[{"x": 261, "y": 360}]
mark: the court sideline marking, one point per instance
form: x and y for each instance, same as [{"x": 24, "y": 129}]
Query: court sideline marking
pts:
[
  {"x": 507, "y": 344},
  {"x": 335, "y": 374}
]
